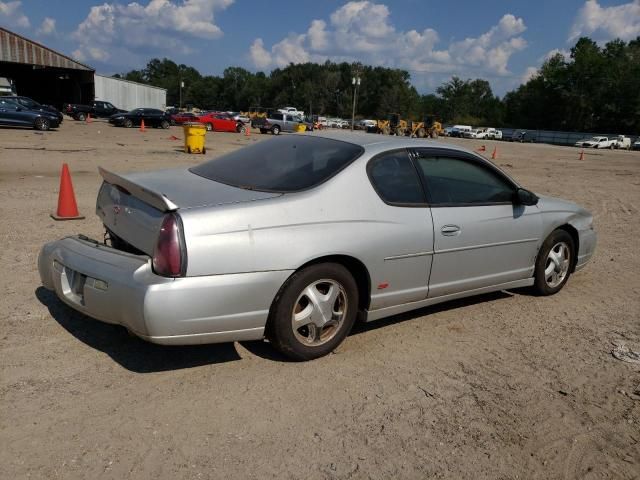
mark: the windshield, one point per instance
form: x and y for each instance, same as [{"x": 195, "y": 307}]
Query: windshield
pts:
[{"x": 284, "y": 164}]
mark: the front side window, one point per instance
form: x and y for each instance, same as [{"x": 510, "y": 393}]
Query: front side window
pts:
[
  {"x": 455, "y": 181},
  {"x": 396, "y": 180}
]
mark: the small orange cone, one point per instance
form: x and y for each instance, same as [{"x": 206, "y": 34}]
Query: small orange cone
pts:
[
  {"x": 67, "y": 206},
  {"x": 581, "y": 155},
  {"x": 247, "y": 133},
  {"x": 482, "y": 148},
  {"x": 494, "y": 155},
  {"x": 142, "y": 128},
  {"x": 89, "y": 119}
]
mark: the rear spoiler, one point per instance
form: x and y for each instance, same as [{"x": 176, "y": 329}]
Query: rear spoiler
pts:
[{"x": 155, "y": 199}]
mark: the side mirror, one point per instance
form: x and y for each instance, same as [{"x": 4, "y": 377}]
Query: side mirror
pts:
[{"x": 525, "y": 197}]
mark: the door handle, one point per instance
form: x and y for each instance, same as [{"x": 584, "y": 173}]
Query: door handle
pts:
[{"x": 450, "y": 230}]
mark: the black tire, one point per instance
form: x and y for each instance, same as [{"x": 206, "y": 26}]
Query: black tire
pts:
[
  {"x": 127, "y": 123},
  {"x": 541, "y": 286},
  {"x": 263, "y": 131},
  {"x": 204, "y": 150},
  {"x": 42, "y": 124},
  {"x": 81, "y": 117},
  {"x": 209, "y": 127},
  {"x": 275, "y": 130},
  {"x": 240, "y": 127},
  {"x": 165, "y": 124},
  {"x": 280, "y": 329}
]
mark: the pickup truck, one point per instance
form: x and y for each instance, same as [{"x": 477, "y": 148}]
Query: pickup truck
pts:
[
  {"x": 96, "y": 109},
  {"x": 276, "y": 122},
  {"x": 292, "y": 111},
  {"x": 493, "y": 134},
  {"x": 599, "y": 142}
]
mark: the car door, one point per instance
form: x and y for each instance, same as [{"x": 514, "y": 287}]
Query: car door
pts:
[
  {"x": 405, "y": 247},
  {"x": 98, "y": 109},
  {"x": 481, "y": 237},
  {"x": 12, "y": 113}
]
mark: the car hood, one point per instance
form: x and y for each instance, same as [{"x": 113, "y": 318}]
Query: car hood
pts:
[{"x": 188, "y": 190}]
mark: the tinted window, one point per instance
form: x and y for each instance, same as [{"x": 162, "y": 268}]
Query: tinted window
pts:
[
  {"x": 284, "y": 164},
  {"x": 457, "y": 181},
  {"x": 9, "y": 104},
  {"x": 395, "y": 179},
  {"x": 276, "y": 116}
]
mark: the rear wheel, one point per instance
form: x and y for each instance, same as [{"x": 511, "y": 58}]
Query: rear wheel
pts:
[
  {"x": 313, "y": 312},
  {"x": 421, "y": 133},
  {"x": 554, "y": 263},
  {"x": 209, "y": 127},
  {"x": 42, "y": 124},
  {"x": 165, "y": 124},
  {"x": 128, "y": 123},
  {"x": 81, "y": 117}
]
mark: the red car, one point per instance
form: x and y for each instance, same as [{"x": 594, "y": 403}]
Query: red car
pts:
[
  {"x": 183, "y": 117},
  {"x": 220, "y": 122}
]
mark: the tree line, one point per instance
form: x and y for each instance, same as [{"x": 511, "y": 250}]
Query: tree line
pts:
[{"x": 595, "y": 89}]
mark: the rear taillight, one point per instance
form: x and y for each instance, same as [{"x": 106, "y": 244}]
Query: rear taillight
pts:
[{"x": 169, "y": 256}]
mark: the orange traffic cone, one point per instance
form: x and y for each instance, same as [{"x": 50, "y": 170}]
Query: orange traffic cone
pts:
[
  {"x": 482, "y": 148},
  {"x": 89, "y": 120},
  {"x": 581, "y": 155},
  {"x": 247, "y": 132},
  {"x": 494, "y": 155},
  {"x": 142, "y": 129},
  {"x": 67, "y": 206}
]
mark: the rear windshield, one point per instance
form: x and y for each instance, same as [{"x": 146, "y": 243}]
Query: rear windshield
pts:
[{"x": 288, "y": 163}]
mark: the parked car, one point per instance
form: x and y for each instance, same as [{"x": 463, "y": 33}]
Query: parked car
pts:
[
  {"x": 459, "y": 130},
  {"x": 474, "y": 133},
  {"x": 292, "y": 111},
  {"x": 366, "y": 124},
  {"x": 493, "y": 134},
  {"x": 293, "y": 238},
  {"x": 31, "y": 104},
  {"x": 240, "y": 117},
  {"x": 636, "y": 144},
  {"x": 276, "y": 122},
  {"x": 599, "y": 142},
  {"x": 152, "y": 118},
  {"x": 622, "y": 142},
  {"x": 221, "y": 122},
  {"x": 96, "y": 109},
  {"x": 13, "y": 114},
  {"x": 183, "y": 117}
]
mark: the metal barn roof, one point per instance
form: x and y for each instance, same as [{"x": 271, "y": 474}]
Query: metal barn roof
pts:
[{"x": 17, "y": 49}]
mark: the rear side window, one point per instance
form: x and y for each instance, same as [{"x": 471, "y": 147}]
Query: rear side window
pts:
[
  {"x": 284, "y": 164},
  {"x": 454, "y": 181},
  {"x": 276, "y": 116},
  {"x": 396, "y": 180}
]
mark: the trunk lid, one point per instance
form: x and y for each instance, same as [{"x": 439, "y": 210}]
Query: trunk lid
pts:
[{"x": 133, "y": 206}]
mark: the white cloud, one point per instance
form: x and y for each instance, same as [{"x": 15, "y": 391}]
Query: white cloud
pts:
[
  {"x": 48, "y": 27},
  {"x": 607, "y": 23},
  {"x": 552, "y": 53},
  {"x": 529, "y": 73},
  {"x": 11, "y": 13},
  {"x": 362, "y": 31},
  {"x": 116, "y": 32}
]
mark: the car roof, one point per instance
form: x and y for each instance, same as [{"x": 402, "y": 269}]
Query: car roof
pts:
[{"x": 375, "y": 143}]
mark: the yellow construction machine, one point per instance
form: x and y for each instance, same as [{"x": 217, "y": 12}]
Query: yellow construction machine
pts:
[{"x": 429, "y": 127}]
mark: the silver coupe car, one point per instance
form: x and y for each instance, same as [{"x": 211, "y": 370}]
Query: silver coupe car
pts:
[{"x": 294, "y": 238}]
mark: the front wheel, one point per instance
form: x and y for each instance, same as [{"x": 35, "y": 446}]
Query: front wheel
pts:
[
  {"x": 276, "y": 130},
  {"x": 209, "y": 127},
  {"x": 554, "y": 263},
  {"x": 313, "y": 312},
  {"x": 42, "y": 124},
  {"x": 165, "y": 124},
  {"x": 128, "y": 123},
  {"x": 81, "y": 117}
]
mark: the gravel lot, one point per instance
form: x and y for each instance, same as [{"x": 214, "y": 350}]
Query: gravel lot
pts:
[{"x": 503, "y": 386}]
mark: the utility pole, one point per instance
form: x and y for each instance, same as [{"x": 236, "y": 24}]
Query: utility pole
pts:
[
  {"x": 355, "y": 81},
  {"x": 181, "y": 87}
]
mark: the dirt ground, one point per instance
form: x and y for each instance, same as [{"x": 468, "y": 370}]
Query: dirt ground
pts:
[{"x": 501, "y": 386}]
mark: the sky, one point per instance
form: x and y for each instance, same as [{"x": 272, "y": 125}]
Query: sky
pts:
[{"x": 502, "y": 41}]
